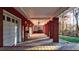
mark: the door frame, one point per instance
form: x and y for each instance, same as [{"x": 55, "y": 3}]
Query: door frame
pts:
[{"x": 6, "y": 13}]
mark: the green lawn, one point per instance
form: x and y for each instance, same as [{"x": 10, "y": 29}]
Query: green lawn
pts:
[{"x": 70, "y": 39}]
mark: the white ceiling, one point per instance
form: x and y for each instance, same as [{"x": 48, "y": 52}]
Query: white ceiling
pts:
[{"x": 44, "y": 14}]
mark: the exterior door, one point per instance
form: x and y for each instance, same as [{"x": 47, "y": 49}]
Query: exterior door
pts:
[{"x": 11, "y": 30}]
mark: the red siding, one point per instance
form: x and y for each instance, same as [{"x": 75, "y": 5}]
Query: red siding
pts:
[
  {"x": 1, "y": 27},
  {"x": 14, "y": 12}
]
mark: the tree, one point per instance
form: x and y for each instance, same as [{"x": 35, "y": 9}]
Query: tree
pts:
[{"x": 76, "y": 18}]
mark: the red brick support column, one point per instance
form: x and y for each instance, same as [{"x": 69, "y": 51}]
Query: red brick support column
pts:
[
  {"x": 54, "y": 29},
  {"x": 49, "y": 26},
  {"x": 51, "y": 29},
  {"x": 1, "y": 27},
  {"x": 46, "y": 29}
]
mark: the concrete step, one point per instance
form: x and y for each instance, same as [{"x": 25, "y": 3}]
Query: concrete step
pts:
[{"x": 37, "y": 42}]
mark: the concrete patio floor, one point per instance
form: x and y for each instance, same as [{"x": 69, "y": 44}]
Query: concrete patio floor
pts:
[{"x": 42, "y": 42}]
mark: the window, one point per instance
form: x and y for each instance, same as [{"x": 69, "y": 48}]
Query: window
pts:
[
  {"x": 3, "y": 17},
  {"x": 16, "y": 21},
  {"x": 13, "y": 20},
  {"x": 8, "y": 19}
]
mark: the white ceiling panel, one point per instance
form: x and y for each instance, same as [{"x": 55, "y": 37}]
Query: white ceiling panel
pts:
[{"x": 40, "y": 13}]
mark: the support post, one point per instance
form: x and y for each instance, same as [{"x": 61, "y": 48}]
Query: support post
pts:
[{"x": 54, "y": 30}]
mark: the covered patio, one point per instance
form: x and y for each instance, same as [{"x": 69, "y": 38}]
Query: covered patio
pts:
[{"x": 38, "y": 28}]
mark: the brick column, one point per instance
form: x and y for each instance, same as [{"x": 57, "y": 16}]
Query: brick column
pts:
[
  {"x": 46, "y": 29},
  {"x": 1, "y": 27},
  {"x": 54, "y": 29},
  {"x": 49, "y": 26}
]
